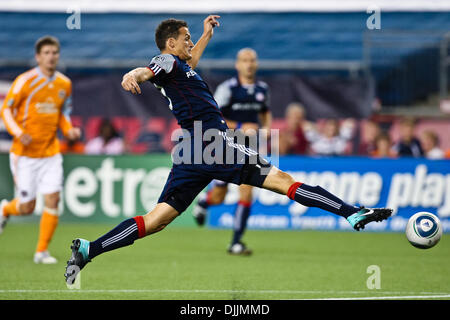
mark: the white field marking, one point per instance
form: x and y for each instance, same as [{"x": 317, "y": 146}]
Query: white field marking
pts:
[
  {"x": 389, "y": 297},
  {"x": 410, "y": 294}
]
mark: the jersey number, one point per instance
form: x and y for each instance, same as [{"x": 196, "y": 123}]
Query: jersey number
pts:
[{"x": 163, "y": 92}]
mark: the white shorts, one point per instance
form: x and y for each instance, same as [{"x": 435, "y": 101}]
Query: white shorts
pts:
[{"x": 33, "y": 175}]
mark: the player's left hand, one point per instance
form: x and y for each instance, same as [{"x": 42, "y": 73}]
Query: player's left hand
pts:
[
  {"x": 74, "y": 133},
  {"x": 209, "y": 24}
]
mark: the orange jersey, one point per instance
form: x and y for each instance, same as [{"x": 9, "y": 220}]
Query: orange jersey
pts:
[{"x": 38, "y": 106}]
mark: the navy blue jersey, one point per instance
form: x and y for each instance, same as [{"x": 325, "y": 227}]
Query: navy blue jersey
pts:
[
  {"x": 188, "y": 96},
  {"x": 242, "y": 103}
]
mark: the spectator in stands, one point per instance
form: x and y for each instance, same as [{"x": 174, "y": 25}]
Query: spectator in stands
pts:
[
  {"x": 71, "y": 146},
  {"x": 430, "y": 144},
  {"x": 108, "y": 142},
  {"x": 292, "y": 138},
  {"x": 409, "y": 145},
  {"x": 333, "y": 140},
  {"x": 369, "y": 136},
  {"x": 383, "y": 146}
]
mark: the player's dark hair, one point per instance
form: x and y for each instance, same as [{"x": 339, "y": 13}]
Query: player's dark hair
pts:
[
  {"x": 46, "y": 40},
  {"x": 168, "y": 29}
]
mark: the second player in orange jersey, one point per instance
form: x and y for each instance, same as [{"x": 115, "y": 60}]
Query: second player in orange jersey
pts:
[{"x": 37, "y": 105}]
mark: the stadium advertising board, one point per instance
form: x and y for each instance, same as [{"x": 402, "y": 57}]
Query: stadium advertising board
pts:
[
  {"x": 109, "y": 189},
  {"x": 406, "y": 185}
]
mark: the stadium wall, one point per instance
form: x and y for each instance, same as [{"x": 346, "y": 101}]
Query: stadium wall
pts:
[{"x": 110, "y": 189}]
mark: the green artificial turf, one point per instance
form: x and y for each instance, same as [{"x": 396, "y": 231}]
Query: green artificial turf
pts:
[{"x": 189, "y": 263}]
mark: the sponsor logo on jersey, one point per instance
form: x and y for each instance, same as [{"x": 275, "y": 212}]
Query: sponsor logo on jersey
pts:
[{"x": 47, "y": 107}]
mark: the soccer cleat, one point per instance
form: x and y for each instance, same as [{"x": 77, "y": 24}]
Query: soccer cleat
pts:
[
  {"x": 44, "y": 257},
  {"x": 365, "y": 215},
  {"x": 79, "y": 258},
  {"x": 239, "y": 249},
  {"x": 3, "y": 219},
  {"x": 199, "y": 214}
]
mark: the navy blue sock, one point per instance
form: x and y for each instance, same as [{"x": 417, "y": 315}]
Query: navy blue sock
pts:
[
  {"x": 240, "y": 221},
  {"x": 122, "y": 235},
  {"x": 318, "y": 197}
]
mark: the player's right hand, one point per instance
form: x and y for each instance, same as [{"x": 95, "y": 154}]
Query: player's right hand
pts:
[
  {"x": 25, "y": 139},
  {"x": 129, "y": 83},
  {"x": 210, "y": 23}
]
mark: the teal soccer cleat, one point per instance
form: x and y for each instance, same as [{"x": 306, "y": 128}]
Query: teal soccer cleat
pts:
[
  {"x": 79, "y": 258},
  {"x": 365, "y": 215}
]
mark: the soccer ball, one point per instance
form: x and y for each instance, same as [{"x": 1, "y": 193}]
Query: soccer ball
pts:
[{"x": 424, "y": 230}]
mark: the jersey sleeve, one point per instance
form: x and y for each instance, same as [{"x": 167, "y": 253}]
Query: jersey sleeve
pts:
[
  {"x": 223, "y": 95},
  {"x": 10, "y": 103},
  {"x": 65, "y": 124},
  {"x": 161, "y": 66}
]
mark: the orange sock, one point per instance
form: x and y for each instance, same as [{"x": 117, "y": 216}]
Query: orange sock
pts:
[
  {"x": 49, "y": 221},
  {"x": 12, "y": 208}
]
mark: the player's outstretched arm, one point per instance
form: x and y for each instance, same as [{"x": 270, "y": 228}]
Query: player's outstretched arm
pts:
[
  {"x": 208, "y": 30},
  {"x": 131, "y": 80}
]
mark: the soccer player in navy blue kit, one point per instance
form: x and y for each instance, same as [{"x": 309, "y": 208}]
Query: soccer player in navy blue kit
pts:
[
  {"x": 190, "y": 100},
  {"x": 244, "y": 102}
]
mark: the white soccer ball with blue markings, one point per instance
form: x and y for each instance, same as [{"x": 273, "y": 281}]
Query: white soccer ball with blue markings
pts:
[{"x": 424, "y": 230}]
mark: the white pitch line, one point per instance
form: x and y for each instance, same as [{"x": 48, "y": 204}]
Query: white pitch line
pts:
[
  {"x": 388, "y": 297},
  {"x": 410, "y": 294}
]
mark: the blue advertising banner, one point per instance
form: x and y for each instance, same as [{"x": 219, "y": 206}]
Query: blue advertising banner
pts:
[{"x": 406, "y": 185}]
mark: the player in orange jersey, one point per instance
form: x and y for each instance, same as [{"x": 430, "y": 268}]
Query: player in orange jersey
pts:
[{"x": 37, "y": 104}]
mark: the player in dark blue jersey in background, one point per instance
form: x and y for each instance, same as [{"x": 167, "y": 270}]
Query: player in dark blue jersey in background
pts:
[
  {"x": 190, "y": 100},
  {"x": 244, "y": 102}
]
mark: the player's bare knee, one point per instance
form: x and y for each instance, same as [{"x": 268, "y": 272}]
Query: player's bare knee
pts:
[
  {"x": 52, "y": 200},
  {"x": 285, "y": 177},
  {"x": 217, "y": 195},
  {"x": 246, "y": 193},
  {"x": 216, "y": 199},
  {"x": 278, "y": 181},
  {"x": 27, "y": 208}
]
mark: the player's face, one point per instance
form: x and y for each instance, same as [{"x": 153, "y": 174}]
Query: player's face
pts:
[
  {"x": 183, "y": 44},
  {"x": 48, "y": 57},
  {"x": 247, "y": 63}
]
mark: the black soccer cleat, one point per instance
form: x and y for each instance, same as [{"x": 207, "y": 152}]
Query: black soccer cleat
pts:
[
  {"x": 79, "y": 258},
  {"x": 364, "y": 216},
  {"x": 199, "y": 213},
  {"x": 239, "y": 249}
]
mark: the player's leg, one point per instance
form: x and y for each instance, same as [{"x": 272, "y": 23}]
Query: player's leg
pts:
[
  {"x": 180, "y": 190},
  {"x": 50, "y": 180},
  {"x": 214, "y": 196},
  {"x": 14, "y": 208},
  {"x": 24, "y": 174},
  {"x": 122, "y": 235},
  {"x": 47, "y": 227},
  {"x": 315, "y": 196},
  {"x": 134, "y": 228},
  {"x": 241, "y": 215}
]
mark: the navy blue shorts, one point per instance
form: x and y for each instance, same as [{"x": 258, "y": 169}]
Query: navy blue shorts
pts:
[{"x": 186, "y": 181}]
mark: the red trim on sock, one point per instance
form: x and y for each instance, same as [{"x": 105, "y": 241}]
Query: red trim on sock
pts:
[
  {"x": 244, "y": 204},
  {"x": 141, "y": 225},
  {"x": 293, "y": 189}
]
